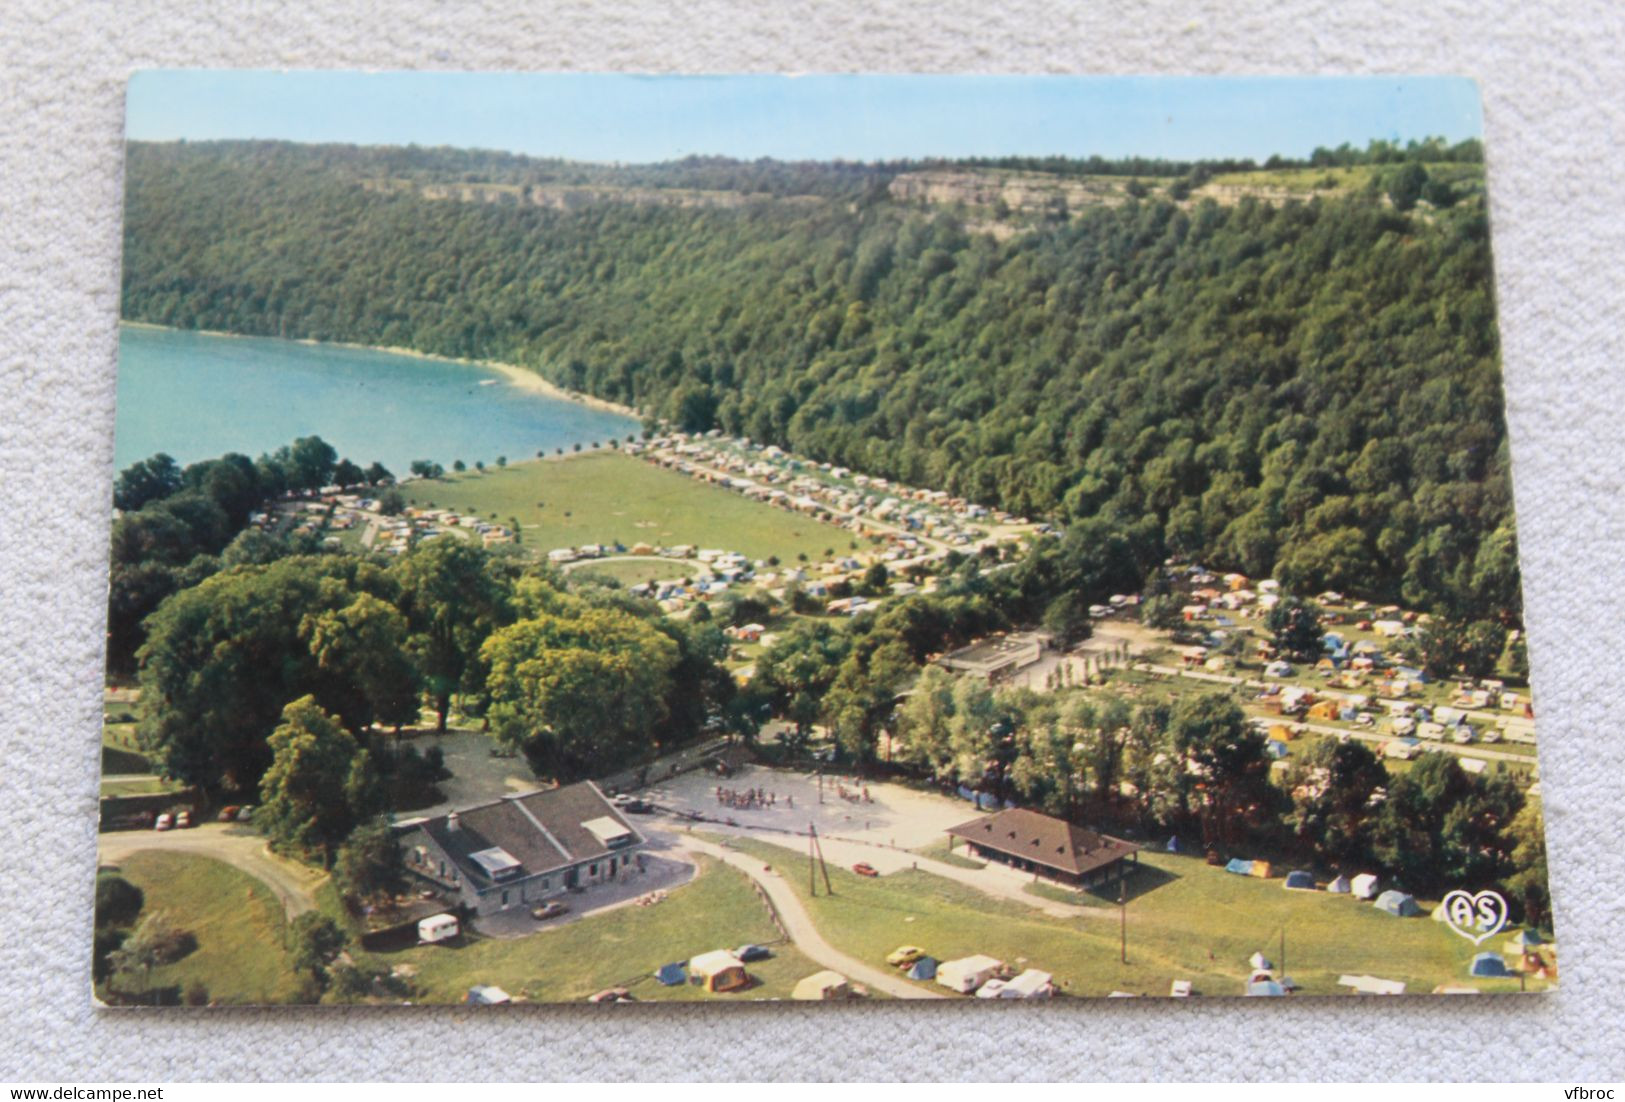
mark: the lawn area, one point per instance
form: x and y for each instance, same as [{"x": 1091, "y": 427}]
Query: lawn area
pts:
[
  {"x": 1189, "y": 921},
  {"x": 605, "y": 497},
  {"x": 115, "y": 785},
  {"x": 630, "y": 572},
  {"x": 717, "y": 910},
  {"x": 238, "y": 924}
]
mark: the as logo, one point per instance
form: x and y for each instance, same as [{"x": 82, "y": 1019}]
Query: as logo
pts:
[{"x": 1475, "y": 917}]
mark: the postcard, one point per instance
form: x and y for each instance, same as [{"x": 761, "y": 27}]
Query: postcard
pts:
[{"x": 608, "y": 538}]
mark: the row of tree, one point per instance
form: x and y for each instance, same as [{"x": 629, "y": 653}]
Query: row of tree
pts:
[{"x": 176, "y": 526}]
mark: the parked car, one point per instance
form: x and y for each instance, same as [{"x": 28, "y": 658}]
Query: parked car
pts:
[
  {"x": 183, "y": 819},
  {"x": 747, "y": 953},
  {"x": 904, "y": 955},
  {"x": 228, "y": 814},
  {"x": 863, "y": 868},
  {"x": 166, "y": 821},
  {"x": 551, "y": 909},
  {"x": 630, "y": 803},
  {"x": 991, "y": 989}
]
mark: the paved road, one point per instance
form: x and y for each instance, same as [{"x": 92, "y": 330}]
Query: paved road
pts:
[
  {"x": 293, "y": 884},
  {"x": 802, "y": 931}
]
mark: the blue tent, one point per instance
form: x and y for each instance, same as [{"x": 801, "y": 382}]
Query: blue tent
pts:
[
  {"x": 1298, "y": 880},
  {"x": 987, "y": 801},
  {"x": 1398, "y": 904},
  {"x": 1488, "y": 964},
  {"x": 1526, "y": 939},
  {"x": 924, "y": 969},
  {"x": 1173, "y": 845},
  {"x": 966, "y": 794},
  {"x": 1265, "y": 987},
  {"x": 1276, "y": 749},
  {"x": 1239, "y": 867},
  {"x": 671, "y": 974}
]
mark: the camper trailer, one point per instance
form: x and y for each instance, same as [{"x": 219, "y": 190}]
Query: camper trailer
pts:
[
  {"x": 968, "y": 973},
  {"x": 441, "y": 927}
]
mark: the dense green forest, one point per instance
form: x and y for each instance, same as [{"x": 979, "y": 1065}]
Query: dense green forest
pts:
[{"x": 1306, "y": 389}]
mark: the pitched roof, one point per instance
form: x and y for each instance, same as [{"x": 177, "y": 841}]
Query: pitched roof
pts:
[
  {"x": 541, "y": 830},
  {"x": 1044, "y": 840}
]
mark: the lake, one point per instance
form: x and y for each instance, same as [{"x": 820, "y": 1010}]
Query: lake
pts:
[{"x": 198, "y": 396}]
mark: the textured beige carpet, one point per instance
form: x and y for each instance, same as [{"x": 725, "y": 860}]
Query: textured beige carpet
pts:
[{"x": 1551, "y": 76}]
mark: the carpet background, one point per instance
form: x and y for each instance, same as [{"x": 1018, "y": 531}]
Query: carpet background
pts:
[{"x": 1551, "y": 79}]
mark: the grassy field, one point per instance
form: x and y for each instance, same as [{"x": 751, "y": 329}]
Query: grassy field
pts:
[
  {"x": 604, "y": 497},
  {"x": 1186, "y": 920},
  {"x": 623, "y": 947},
  {"x": 237, "y": 922}
]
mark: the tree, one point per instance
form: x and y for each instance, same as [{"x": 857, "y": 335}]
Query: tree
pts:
[
  {"x": 424, "y": 468},
  {"x": 923, "y": 720},
  {"x": 459, "y": 466},
  {"x": 317, "y": 942},
  {"x": 118, "y": 901},
  {"x": 362, "y": 650},
  {"x": 875, "y": 580},
  {"x": 1228, "y": 756},
  {"x": 452, "y": 603},
  {"x": 391, "y": 503},
  {"x": 864, "y": 692},
  {"x": 151, "y": 479},
  {"x": 309, "y": 463},
  {"x": 378, "y": 474},
  {"x": 799, "y": 669},
  {"x": 347, "y": 473},
  {"x": 1332, "y": 787},
  {"x": 154, "y": 942},
  {"x": 320, "y": 783},
  {"x": 1528, "y": 885},
  {"x": 1296, "y": 628},
  {"x": 502, "y": 461},
  {"x": 583, "y": 690},
  {"x": 1441, "y": 828},
  {"x": 1405, "y": 186},
  {"x": 224, "y": 657},
  {"x": 369, "y": 863}
]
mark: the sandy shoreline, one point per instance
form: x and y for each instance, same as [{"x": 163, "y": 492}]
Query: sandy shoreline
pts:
[{"x": 522, "y": 377}]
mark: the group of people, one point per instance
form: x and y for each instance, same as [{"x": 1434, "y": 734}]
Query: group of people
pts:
[{"x": 751, "y": 799}]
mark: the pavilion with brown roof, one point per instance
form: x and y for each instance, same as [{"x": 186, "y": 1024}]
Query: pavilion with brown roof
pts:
[{"x": 1048, "y": 847}]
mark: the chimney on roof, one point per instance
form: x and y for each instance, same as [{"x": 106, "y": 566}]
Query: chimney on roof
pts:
[{"x": 454, "y": 822}]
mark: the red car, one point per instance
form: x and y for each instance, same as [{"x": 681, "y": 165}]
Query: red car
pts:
[{"x": 863, "y": 868}]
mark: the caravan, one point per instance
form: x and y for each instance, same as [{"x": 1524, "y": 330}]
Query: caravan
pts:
[{"x": 968, "y": 973}]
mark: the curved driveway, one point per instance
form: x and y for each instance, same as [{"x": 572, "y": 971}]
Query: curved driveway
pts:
[
  {"x": 801, "y": 929},
  {"x": 293, "y": 884}
]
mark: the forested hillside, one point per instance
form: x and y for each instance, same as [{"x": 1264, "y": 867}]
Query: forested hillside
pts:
[{"x": 1309, "y": 389}]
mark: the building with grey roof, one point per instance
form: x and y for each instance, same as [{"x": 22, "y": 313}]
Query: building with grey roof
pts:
[{"x": 522, "y": 848}]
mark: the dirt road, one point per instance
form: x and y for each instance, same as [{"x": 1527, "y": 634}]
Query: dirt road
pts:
[{"x": 237, "y": 845}]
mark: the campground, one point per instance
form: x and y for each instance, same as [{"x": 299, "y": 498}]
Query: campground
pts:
[
  {"x": 605, "y": 497},
  {"x": 1185, "y": 920}
]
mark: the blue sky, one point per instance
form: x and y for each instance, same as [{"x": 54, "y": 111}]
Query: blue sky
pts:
[{"x": 605, "y": 117}]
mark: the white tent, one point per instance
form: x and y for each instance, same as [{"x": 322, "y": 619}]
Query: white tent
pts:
[
  {"x": 1031, "y": 984},
  {"x": 1340, "y": 886},
  {"x": 820, "y": 986},
  {"x": 968, "y": 973},
  {"x": 1371, "y": 985},
  {"x": 1364, "y": 886},
  {"x": 1260, "y": 962}
]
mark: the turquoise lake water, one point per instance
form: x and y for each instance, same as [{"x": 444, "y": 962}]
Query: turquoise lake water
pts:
[{"x": 197, "y": 397}]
